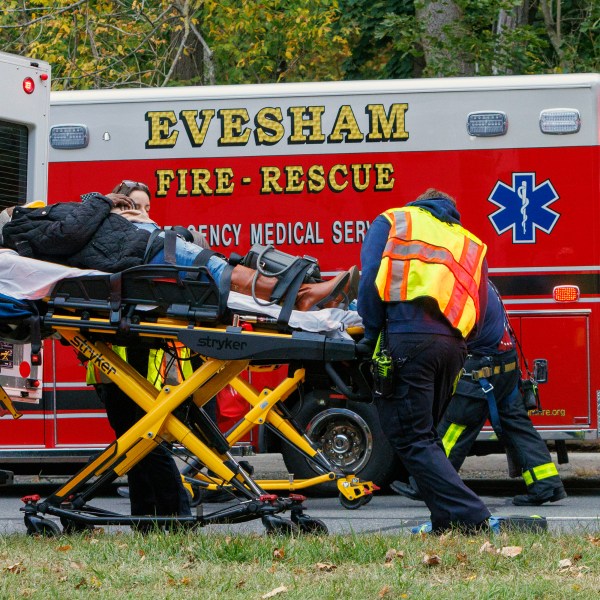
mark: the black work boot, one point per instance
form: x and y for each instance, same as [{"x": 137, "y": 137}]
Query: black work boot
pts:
[
  {"x": 408, "y": 490},
  {"x": 539, "y": 499}
]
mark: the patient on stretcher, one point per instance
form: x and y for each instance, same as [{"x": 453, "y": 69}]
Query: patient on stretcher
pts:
[{"x": 113, "y": 232}]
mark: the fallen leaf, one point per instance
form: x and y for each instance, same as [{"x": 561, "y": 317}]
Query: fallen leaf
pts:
[
  {"x": 577, "y": 557},
  {"x": 489, "y": 548},
  {"x": 461, "y": 557},
  {"x": 15, "y": 568},
  {"x": 511, "y": 551},
  {"x": 431, "y": 560},
  {"x": 393, "y": 554},
  {"x": 565, "y": 563},
  {"x": 280, "y": 590},
  {"x": 593, "y": 540},
  {"x": 328, "y": 567},
  {"x": 64, "y": 548},
  {"x": 384, "y": 591},
  {"x": 278, "y": 553},
  {"x": 81, "y": 583}
]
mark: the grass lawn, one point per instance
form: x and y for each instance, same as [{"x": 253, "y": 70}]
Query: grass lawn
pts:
[{"x": 215, "y": 566}]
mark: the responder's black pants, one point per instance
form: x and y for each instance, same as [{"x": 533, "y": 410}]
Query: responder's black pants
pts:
[
  {"x": 468, "y": 411},
  {"x": 422, "y": 390},
  {"x": 155, "y": 486}
]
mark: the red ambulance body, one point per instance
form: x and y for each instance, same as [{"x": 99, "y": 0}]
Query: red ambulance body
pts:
[{"x": 307, "y": 167}]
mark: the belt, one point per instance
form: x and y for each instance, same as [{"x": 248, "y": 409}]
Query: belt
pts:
[{"x": 486, "y": 372}]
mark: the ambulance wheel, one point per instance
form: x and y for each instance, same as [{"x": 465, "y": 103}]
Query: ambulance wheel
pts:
[
  {"x": 350, "y": 437},
  {"x": 276, "y": 525},
  {"x": 41, "y": 527}
]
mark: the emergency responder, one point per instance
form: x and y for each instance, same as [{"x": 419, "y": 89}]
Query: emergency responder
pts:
[
  {"x": 489, "y": 389},
  {"x": 420, "y": 286},
  {"x": 155, "y": 484}
]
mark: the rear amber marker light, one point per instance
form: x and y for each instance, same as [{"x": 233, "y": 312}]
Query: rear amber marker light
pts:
[{"x": 566, "y": 293}]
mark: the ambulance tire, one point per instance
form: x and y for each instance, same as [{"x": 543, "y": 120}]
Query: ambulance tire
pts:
[{"x": 350, "y": 436}]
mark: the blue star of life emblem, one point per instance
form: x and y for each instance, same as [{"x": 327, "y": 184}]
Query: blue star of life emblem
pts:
[{"x": 523, "y": 207}]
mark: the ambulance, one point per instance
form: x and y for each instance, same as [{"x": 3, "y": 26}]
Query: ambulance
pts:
[
  {"x": 306, "y": 167},
  {"x": 23, "y": 178}
]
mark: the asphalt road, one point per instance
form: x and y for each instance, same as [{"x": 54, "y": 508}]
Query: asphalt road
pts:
[{"x": 386, "y": 513}]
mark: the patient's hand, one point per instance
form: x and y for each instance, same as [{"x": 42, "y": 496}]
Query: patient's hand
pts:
[{"x": 121, "y": 201}]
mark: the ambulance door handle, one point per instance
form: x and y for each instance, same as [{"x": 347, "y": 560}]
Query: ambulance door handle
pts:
[{"x": 540, "y": 370}]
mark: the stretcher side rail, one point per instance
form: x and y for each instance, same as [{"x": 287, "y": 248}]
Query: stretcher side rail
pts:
[
  {"x": 152, "y": 301},
  {"x": 158, "y": 289}
]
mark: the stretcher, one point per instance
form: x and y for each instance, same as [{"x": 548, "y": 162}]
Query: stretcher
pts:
[{"x": 155, "y": 306}]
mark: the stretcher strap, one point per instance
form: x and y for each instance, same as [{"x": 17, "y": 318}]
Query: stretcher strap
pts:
[
  {"x": 290, "y": 299},
  {"x": 115, "y": 283},
  {"x": 169, "y": 241}
]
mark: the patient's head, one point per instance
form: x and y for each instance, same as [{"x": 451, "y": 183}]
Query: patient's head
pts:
[{"x": 137, "y": 191}]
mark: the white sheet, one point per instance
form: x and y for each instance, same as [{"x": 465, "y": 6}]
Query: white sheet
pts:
[{"x": 31, "y": 279}]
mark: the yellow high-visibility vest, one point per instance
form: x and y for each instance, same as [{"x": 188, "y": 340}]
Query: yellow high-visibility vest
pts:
[
  {"x": 424, "y": 256},
  {"x": 94, "y": 375},
  {"x": 164, "y": 368},
  {"x": 161, "y": 367}
]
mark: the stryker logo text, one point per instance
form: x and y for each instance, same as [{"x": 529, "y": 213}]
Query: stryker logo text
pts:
[
  {"x": 96, "y": 358},
  {"x": 227, "y": 344}
]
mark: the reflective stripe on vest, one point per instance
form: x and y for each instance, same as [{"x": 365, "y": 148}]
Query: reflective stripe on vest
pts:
[
  {"x": 540, "y": 472},
  {"x": 451, "y": 436},
  {"x": 94, "y": 375},
  {"x": 424, "y": 256}
]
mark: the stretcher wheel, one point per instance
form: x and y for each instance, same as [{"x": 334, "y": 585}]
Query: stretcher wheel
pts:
[
  {"x": 356, "y": 503},
  {"x": 70, "y": 526},
  {"x": 310, "y": 525},
  {"x": 275, "y": 525},
  {"x": 40, "y": 526}
]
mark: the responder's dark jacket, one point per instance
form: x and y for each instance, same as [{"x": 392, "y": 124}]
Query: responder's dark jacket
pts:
[
  {"x": 78, "y": 234},
  {"x": 494, "y": 337},
  {"x": 418, "y": 316}
]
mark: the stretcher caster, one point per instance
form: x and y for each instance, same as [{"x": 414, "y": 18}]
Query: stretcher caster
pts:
[
  {"x": 70, "y": 526},
  {"x": 309, "y": 524},
  {"x": 355, "y": 503},
  {"x": 277, "y": 525},
  {"x": 40, "y": 526}
]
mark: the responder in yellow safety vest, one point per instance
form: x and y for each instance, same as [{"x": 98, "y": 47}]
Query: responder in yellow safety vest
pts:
[{"x": 423, "y": 287}]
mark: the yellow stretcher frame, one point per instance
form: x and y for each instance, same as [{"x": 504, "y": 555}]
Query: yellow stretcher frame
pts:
[
  {"x": 353, "y": 492},
  {"x": 264, "y": 410},
  {"x": 160, "y": 424}
]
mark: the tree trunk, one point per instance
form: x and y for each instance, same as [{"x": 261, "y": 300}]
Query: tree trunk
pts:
[
  {"x": 439, "y": 17},
  {"x": 508, "y": 21}
]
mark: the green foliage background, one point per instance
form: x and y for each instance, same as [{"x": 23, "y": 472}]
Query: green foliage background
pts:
[{"x": 138, "y": 43}]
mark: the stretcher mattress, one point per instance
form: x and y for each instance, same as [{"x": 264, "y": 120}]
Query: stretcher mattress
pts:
[{"x": 25, "y": 278}]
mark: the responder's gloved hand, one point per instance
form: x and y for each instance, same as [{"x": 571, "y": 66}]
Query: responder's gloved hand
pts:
[{"x": 365, "y": 347}]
